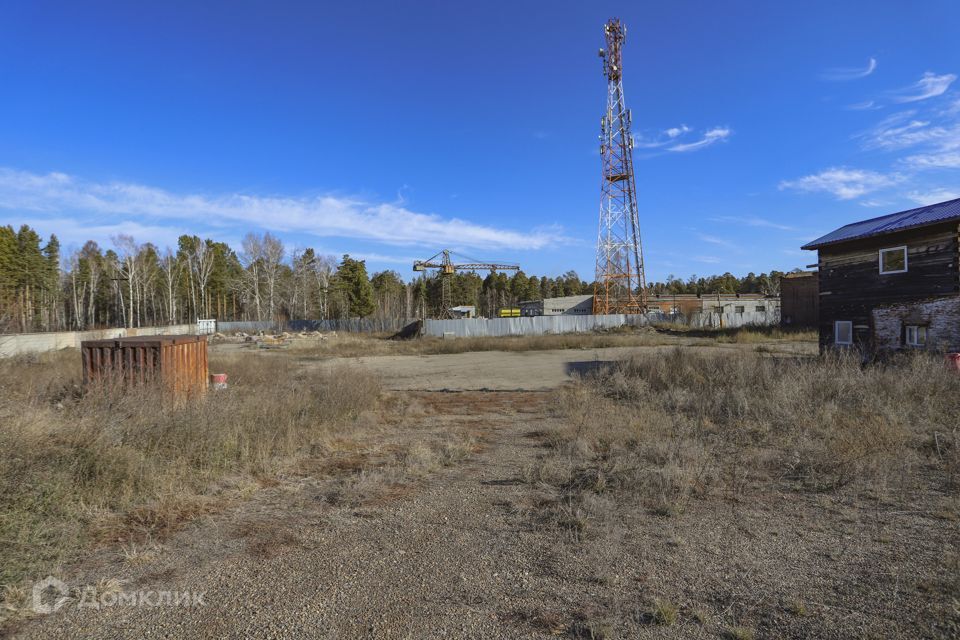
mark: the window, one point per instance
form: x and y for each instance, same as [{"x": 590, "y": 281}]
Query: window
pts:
[
  {"x": 738, "y": 309},
  {"x": 761, "y": 308},
  {"x": 842, "y": 332},
  {"x": 916, "y": 335},
  {"x": 893, "y": 260}
]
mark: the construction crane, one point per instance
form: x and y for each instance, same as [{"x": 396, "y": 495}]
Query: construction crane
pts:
[
  {"x": 446, "y": 267},
  {"x": 620, "y": 283}
]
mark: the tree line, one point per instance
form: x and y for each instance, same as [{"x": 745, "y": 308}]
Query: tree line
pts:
[{"x": 136, "y": 284}]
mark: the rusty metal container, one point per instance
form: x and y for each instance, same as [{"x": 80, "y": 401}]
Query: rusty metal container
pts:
[{"x": 178, "y": 362}]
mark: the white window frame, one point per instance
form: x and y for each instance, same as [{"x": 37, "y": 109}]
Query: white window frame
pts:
[
  {"x": 906, "y": 256},
  {"x": 917, "y": 330},
  {"x": 836, "y": 332}
]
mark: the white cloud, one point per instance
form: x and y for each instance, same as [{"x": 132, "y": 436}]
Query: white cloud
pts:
[
  {"x": 874, "y": 203},
  {"x": 753, "y": 221},
  {"x": 866, "y": 105},
  {"x": 929, "y": 85},
  {"x": 933, "y": 196},
  {"x": 707, "y": 259},
  {"x": 327, "y": 215},
  {"x": 717, "y": 241},
  {"x": 74, "y": 232},
  {"x": 933, "y": 161},
  {"x": 717, "y": 134},
  {"x": 842, "y": 182},
  {"x": 904, "y": 130},
  {"x": 849, "y": 73},
  {"x": 670, "y": 139}
]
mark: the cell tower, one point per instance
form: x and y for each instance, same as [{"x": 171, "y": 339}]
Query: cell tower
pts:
[{"x": 620, "y": 283}]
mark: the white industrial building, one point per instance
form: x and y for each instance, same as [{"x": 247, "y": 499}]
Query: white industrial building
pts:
[{"x": 565, "y": 306}]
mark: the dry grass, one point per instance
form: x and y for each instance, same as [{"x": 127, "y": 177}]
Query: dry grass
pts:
[
  {"x": 688, "y": 436},
  {"x": 665, "y": 429},
  {"x": 354, "y": 345},
  {"x": 79, "y": 468}
]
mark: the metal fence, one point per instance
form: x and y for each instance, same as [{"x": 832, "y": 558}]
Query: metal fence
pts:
[
  {"x": 352, "y": 325},
  {"x": 541, "y": 325},
  {"x": 249, "y": 326}
]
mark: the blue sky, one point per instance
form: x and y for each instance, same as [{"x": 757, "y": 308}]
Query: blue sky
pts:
[{"x": 392, "y": 130}]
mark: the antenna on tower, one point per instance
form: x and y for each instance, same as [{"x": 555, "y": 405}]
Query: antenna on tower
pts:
[{"x": 621, "y": 286}]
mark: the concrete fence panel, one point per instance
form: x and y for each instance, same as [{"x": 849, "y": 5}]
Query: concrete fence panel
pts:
[{"x": 16, "y": 344}]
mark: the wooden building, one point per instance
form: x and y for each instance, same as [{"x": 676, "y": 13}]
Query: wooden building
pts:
[
  {"x": 799, "y": 299},
  {"x": 892, "y": 282}
]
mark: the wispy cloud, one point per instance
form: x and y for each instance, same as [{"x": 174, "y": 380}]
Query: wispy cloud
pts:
[
  {"x": 874, "y": 203},
  {"x": 839, "y": 74},
  {"x": 933, "y": 196},
  {"x": 717, "y": 134},
  {"x": 116, "y": 203},
  {"x": 720, "y": 242},
  {"x": 753, "y": 221},
  {"x": 902, "y": 130},
  {"x": 866, "y": 105},
  {"x": 707, "y": 259},
  {"x": 843, "y": 182},
  {"x": 949, "y": 160},
  {"x": 929, "y": 85},
  {"x": 932, "y": 135},
  {"x": 672, "y": 139}
]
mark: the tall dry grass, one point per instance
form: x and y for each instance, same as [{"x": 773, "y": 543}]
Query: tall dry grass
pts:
[
  {"x": 664, "y": 429},
  {"x": 78, "y": 467},
  {"x": 354, "y": 345}
]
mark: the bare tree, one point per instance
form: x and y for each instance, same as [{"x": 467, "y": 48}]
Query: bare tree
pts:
[
  {"x": 323, "y": 268},
  {"x": 251, "y": 257},
  {"x": 272, "y": 252},
  {"x": 127, "y": 251},
  {"x": 201, "y": 262},
  {"x": 78, "y": 297},
  {"x": 170, "y": 272}
]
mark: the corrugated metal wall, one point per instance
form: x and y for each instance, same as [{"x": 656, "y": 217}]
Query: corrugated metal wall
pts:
[
  {"x": 352, "y": 325},
  {"x": 541, "y": 325}
]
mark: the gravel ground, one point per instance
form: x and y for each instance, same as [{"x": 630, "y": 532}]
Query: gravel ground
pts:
[
  {"x": 450, "y": 560},
  {"x": 522, "y": 370},
  {"x": 466, "y": 553}
]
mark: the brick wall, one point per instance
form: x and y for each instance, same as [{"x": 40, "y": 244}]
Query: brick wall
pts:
[{"x": 941, "y": 316}]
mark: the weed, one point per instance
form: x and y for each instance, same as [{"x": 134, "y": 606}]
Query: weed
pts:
[
  {"x": 797, "y": 608},
  {"x": 664, "y": 613},
  {"x": 739, "y": 633}
]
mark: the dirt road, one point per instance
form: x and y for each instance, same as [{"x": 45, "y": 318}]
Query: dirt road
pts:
[
  {"x": 521, "y": 371},
  {"x": 455, "y": 558}
]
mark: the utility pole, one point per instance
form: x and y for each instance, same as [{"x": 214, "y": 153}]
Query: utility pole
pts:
[{"x": 621, "y": 286}]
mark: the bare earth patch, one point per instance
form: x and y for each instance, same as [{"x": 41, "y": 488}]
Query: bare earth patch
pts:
[{"x": 514, "y": 513}]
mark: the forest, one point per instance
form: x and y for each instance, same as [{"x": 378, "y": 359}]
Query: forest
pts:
[{"x": 136, "y": 284}]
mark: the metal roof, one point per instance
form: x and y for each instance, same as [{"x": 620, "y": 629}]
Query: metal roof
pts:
[{"x": 910, "y": 219}]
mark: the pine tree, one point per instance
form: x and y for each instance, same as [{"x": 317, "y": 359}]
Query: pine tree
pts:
[{"x": 353, "y": 284}]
